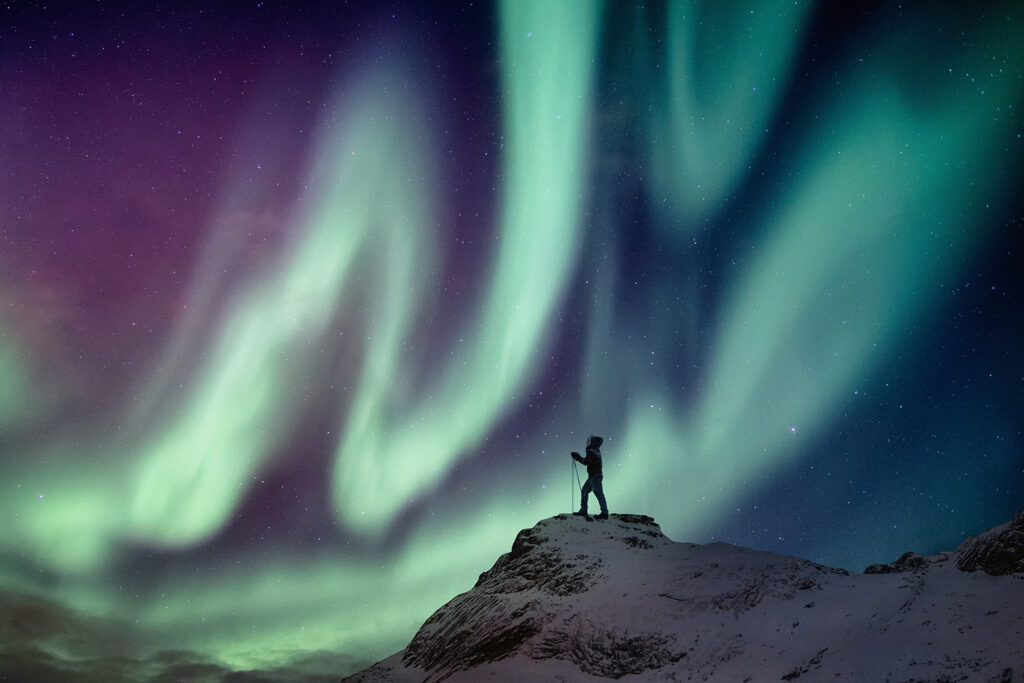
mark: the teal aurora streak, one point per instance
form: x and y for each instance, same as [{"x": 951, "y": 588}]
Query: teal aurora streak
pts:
[{"x": 891, "y": 187}]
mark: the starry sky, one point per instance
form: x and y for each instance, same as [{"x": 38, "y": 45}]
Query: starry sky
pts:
[{"x": 304, "y": 305}]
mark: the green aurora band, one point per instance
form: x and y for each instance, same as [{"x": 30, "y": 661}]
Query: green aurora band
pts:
[
  {"x": 707, "y": 127},
  {"x": 880, "y": 212},
  {"x": 390, "y": 456}
]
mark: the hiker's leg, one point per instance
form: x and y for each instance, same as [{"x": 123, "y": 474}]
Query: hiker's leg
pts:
[
  {"x": 585, "y": 492},
  {"x": 599, "y": 493}
]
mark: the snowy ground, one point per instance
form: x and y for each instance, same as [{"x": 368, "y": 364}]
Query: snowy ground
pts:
[{"x": 579, "y": 600}]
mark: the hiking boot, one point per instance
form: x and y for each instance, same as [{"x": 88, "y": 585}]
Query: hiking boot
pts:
[
  {"x": 581, "y": 513},
  {"x": 603, "y": 515}
]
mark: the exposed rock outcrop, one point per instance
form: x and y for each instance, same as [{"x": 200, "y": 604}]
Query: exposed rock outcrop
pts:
[
  {"x": 908, "y": 562},
  {"x": 998, "y": 551}
]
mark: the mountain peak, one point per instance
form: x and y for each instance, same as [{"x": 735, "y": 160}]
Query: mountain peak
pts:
[
  {"x": 551, "y": 564},
  {"x": 562, "y": 555},
  {"x": 580, "y": 599}
]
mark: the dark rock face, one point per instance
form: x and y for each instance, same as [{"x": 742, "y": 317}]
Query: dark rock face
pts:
[
  {"x": 534, "y": 564},
  {"x": 998, "y": 551},
  {"x": 908, "y": 562},
  {"x": 600, "y": 650}
]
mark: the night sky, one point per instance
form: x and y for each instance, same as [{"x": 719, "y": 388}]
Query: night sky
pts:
[{"x": 304, "y": 305}]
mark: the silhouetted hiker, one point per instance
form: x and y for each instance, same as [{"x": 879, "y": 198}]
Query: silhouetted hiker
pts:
[{"x": 594, "y": 476}]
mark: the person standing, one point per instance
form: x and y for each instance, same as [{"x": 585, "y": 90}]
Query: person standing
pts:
[{"x": 595, "y": 476}]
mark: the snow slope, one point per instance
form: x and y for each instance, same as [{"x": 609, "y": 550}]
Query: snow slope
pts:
[{"x": 578, "y": 599}]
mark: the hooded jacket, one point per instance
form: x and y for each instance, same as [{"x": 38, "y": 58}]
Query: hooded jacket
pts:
[{"x": 593, "y": 457}]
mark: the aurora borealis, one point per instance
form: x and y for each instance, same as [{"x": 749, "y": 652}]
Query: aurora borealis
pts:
[{"x": 302, "y": 310}]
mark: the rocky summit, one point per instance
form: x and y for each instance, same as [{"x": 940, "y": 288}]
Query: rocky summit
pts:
[{"x": 577, "y": 599}]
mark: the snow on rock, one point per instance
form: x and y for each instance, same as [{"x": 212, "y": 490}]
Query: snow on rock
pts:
[
  {"x": 578, "y": 599},
  {"x": 997, "y": 551}
]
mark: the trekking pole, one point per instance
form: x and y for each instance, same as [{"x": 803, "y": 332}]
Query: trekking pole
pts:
[
  {"x": 571, "y": 483},
  {"x": 577, "y": 473}
]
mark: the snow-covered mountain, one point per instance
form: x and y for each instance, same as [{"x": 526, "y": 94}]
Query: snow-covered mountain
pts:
[{"x": 578, "y": 599}]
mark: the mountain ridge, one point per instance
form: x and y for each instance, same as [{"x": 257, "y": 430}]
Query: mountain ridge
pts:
[{"x": 577, "y": 599}]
